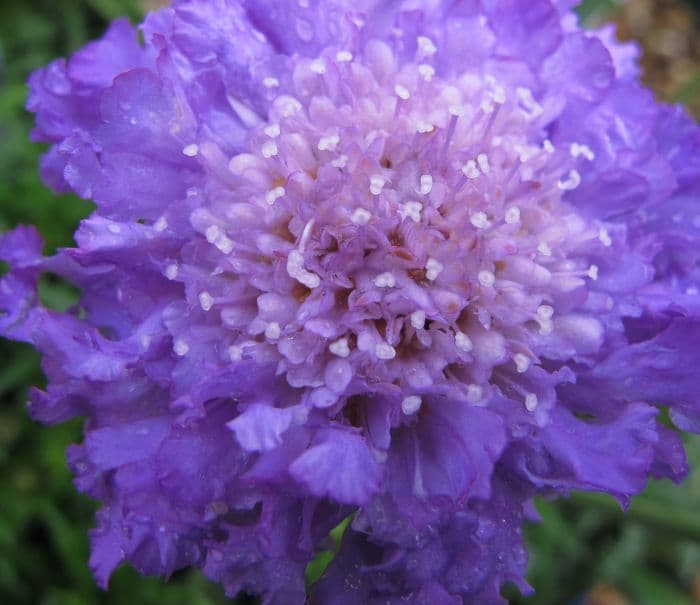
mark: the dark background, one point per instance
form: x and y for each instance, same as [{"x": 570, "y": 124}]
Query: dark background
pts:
[{"x": 586, "y": 552}]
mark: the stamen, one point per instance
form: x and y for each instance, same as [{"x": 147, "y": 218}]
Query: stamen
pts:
[
  {"x": 344, "y": 56},
  {"x": 426, "y": 47},
  {"x": 512, "y": 216},
  {"x": 480, "y": 220},
  {"x": 522, "y": 362},
  {"x": 191, "y": 150},
  {"x": 474, "y": 393},
  {"x": 576, "y": 150},
  {"x": 487, "y": 279},
  {"x": 171, "y": 271},
  {"x": 384, "y": 351},
  {"x": 483, "y": 161},
  {"x": 270, "y": 82},
  {"x": 318, "y": 67},
  {"x": 181, "y": 348},
  {"x": 340, "y": 347},
  {"x": 328, "y": 143},
  {"x": 402, "y": 92},
  {"x": 470, "y": 170},
  {"x": 427, "y": 72},
  {"x": 269, "y": 149},
  {"x": 418, "y": 319},
  {"x": 593, "y": 272},
  {"x": 385, "y": 280},
  {"x": 296, "y": 270},
  {"x": 572, "y": 181},
  {"x": 272, "y": 131},
  {"x": 433, "y": 268},
  {"x": 411, "y": 210},
  {"x": 206, "y": 301},
  {"x": 273, "y": 330},
  {"x": 376, "y": 184},
  {"x": 604, "y": 237},
  {"x": 426, "y": 184},
  {"x": 274, "y": 194},
  {"x": 463, "y": 342},
  {"x": 411, "y": 404},
  {"x": 360, "y": 216},
  {"x": 531, "y": 402},
  {"x": 161, "y": 224}
]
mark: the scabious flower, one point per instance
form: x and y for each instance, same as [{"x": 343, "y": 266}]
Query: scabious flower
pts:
[{"x": 408, "y": 261}]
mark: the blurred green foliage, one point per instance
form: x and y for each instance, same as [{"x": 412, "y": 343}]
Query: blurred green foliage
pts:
[{"x": 652, "y": 554}]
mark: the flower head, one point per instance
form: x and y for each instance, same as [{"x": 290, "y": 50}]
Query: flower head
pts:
[{"x": 413, "y": 261}]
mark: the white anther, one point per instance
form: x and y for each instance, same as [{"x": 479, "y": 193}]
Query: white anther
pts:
[
  {"x": 114, "y": 228},
  {"x": 274, "y": 194},
  {"x": 605, "y": 238},
  {"x": 269, "y": 149},
  {"x": 480, "y": 220},
  {"x": 344, "y": 56},
  {"x": 296, "y": 270},
  {"x": 474, "y": 393},
  {"x": 426, "y": 184},
  {"x": 224, "y": 244},
  {"x": 433, "y": 268},
  {"x": 547, "y": 146},
  {"x": 272, "y": 130},
  {"x": 235, "y": 352},
  {"x": 498, "y": 94},
  {"x": 376, "y": 184},
  {"x": 546, "y": 326},
  {"x": 522, "y": 362},
  {"x": 483, "y": 161},
  {"x": 426, "y": 47},
  {"x": 545, "y": 311},
  {"x": 206, "y": 301},
  {"x": 191, "y": 150},
  {"x": 572, "y": 181},
  {"x": 593, "y": 272},
  {"x": 171, "y": 271},
  {"x": 384, "y": 351},
  {"x": 543, "y": 248},
  {"x": 411, "y": 404},
  {"x": 531, "y": 402},
  {"x": 525, "y": 152},
  {"x": 385, "y": 280},
  {"x": 180, "y": 347},
  {"x": 411, "y": 210},
  {"x": 424, "y": 127},
  {"x": 527, "y": 103},
  {"x": 340, "y": 162},
  {"x": 418, "y": 319},
  {"x": 463, "y": 342},
  {"x": 576, "y": 150},
  {"x": 318, "y": 67},
  {"x": 340, "y": 347},
  {"x": 470, "y": 170},
  {"x": 289, "y": 106},
  {"x": 161, "y": 224},
  {"x": 487, "y": 106},
  {"x": 512, "y": 216},
  {"x": 360, "y": 216},
  {"x": 427, "y": 72},
  {"x": 270, "y": 82},
  {"x": 273, "y": 330},
  {"x": 328, "y": 143},
  {"x": 212, "y": 233},
  {"x": 402, "y": 92},
  {"x": 456, "y": 111},
  {"x": 486, "y": 278}
]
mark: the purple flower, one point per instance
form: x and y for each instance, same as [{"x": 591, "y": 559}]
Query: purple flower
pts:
[{"x": 412, "y": 261}]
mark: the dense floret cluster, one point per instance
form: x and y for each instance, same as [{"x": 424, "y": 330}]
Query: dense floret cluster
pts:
[{"x": 413, "y": 261}]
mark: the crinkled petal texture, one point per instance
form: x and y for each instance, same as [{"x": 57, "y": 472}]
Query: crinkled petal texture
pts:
[{"x": 412, "y": 261}]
